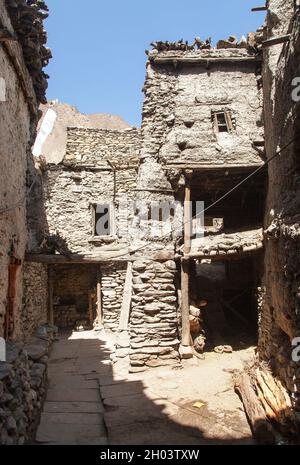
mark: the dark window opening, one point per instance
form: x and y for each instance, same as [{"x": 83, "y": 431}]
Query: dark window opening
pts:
[{"x": 223, "y": 121}]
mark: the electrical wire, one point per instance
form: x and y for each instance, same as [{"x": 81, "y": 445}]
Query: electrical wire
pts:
[{"x": 260, "y": 168}]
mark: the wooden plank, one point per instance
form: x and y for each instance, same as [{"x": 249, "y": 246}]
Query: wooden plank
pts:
[
  {"x": 199, "y": 166},
  {"x": 91, "y": 316},
  {"x": 126, "y": 303},
  {"x": 276, "y": 40},
  {"x": 204, "y": 61},
  {"x": 62, "y": 259},
  {"x": 99, "y": 298},
  {"x": 50, "y": 296}
]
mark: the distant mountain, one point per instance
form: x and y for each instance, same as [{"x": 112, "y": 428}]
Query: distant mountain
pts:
[{"x": 52, "y": 130}]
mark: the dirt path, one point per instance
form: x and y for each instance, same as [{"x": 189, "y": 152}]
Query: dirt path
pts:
[{"x": 152, "y": 408}]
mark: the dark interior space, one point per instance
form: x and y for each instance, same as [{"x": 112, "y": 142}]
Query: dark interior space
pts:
[
  {"x": 243, "y": 208},
  {"x": 74, "y": 295},
  {"x": 229, "y": 288}
]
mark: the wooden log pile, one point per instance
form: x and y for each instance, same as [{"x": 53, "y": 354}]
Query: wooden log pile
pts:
[{"x": 267, "y": 404}]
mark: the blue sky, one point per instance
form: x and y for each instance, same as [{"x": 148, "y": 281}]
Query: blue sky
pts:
[{"x": 99, "y": 46}]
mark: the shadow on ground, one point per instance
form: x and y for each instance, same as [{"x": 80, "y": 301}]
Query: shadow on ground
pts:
[{"x": 91, "y": 401}]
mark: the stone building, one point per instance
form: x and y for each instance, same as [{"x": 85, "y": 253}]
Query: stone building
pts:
[
  {"x": 88, "y": 200},
  {"x": 23, "y": 84},
  {"x": 107, "y": 236},
  {"x": 202, "y": 133},
  {"x": 279, "y": 318}
]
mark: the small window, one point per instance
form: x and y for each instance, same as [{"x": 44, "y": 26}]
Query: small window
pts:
[
  {"x": 223, "y": 121},
  {"x": 103, "y": 220}
]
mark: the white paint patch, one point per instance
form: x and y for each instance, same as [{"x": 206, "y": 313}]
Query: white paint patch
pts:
[
  {"x": 2, "y": 90},
  {"x": 44, "y": 132}
]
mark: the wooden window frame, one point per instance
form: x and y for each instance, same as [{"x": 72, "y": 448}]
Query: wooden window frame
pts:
[{"x": 228, "y": 121}]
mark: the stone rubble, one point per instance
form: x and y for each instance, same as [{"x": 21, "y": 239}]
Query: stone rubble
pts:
[{"x": 23, "y": 383}]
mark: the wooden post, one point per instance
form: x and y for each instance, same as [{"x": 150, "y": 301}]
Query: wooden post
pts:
[
  {"x": 185, "y": 268},
  {"x": 91, "y": 316},
  {"x": 99, "y": 298},
  {"x": 125, "y": 309},
  {"x": 50, "y": 296}
]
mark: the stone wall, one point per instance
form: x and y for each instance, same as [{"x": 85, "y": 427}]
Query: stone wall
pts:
[
  {"x": 180, "y": 102},
  {"x": 18, "y": 115},
  {"x": 23, "y": 381},
  {"x": 35, "y": 298},
  {"x": 71, "y": 286},
  {"x": 153, "y": 323},
  {"x": 279, "y": 320},
  {"x": 112, "y": 286},
  {"x": 86, "y": 178}
]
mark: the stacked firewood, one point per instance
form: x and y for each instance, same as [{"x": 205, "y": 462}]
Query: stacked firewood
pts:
[{"x": 267, "y": 404}]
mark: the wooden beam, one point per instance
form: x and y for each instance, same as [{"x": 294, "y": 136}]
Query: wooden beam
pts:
[
  {"x": 50, "y": 296},
  {"x": 196, "y": 60},
  {"x": 99, "y": 298},
  {"x": 185, "y": 268},
  {"x": 261, "y": 427},
  {"x": 276, "y": 40},
  {"x": 75, "y": 259},
  {"x": 259, "y": 8},
  {"x": 126, "y": 303},
  {"x": 199, "y": 166}
]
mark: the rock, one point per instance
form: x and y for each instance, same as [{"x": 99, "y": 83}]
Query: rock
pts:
[
  {"x": 6, "y": 370},
  {"x": 139, "y": 265},
  {"x": 123, "y": 340},
  {"x": 121, "y": 353},
  {"x": 11, "y": 425},
  {"x": 36, "y": 351},
  {"x": 185, "y": 352},
  {"x": 170, "y": 265}
]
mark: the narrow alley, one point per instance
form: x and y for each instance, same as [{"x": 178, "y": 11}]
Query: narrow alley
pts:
[{"x": 91, "y": 401}]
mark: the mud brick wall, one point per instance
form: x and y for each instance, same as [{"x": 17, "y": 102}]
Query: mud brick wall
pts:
[
  {"x": 23, "y": 379},
  {"x": 35, "y": 298},
  {"x": 280, "y": 312},
  {"x": 112, "y": 287},
  {"x": 153, "y": 323}
]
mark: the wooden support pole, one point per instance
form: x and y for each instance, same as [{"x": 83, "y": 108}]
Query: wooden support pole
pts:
[
  {"x": 125, "y": 309},
  {"x": 99, "y": 298},
  {"x": 185, "y": 265},
  {"x": 91, "y": 316},
  {"x": 50, "y": 296},
  {"x": 185, "y": 304}
]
